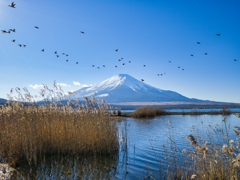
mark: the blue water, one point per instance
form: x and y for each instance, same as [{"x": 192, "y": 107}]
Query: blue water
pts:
[{"x": 192, "y": 110}]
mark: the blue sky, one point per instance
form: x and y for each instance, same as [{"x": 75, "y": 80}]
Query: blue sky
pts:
[{"x": 146, "y": 32}]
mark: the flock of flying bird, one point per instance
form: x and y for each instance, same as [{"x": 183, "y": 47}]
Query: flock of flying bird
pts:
[{"x": 20, "y": 45}]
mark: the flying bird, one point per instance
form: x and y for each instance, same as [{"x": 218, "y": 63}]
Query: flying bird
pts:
[
  {"x": 161, "y": 74},
  {"x": 76, "y": 62},
  {"x": 169, "y": 61},
  {"x": 67, "y": 60},
  {"x": 20, "y": 45},
  {"x": 13, "y": 40},
  {"x": 183, "y": 69},
  {"x": 98, "y": 67},
  {"x": 9, "y": 31},
  {"x": 63, "y": 53},
  {"x": 13, "y": 30},
  {"x": 205, "y": 53},
  {"x": 57, "y": 56},
  {"x": 158, "y": 74},
  {"x": 12, "y": 5},
  {"x": 92, "y": 65},
  {"x": 235, "y": 60},
  {"x": 36, "y": 27},
  {"x": 191, "y": 55},
  {"x": 119, "y": 60},
  {"x": 123, "y": 63},
  {"x": 115, "y": 66},
  {"x": 3, "y": 31},
  {"x": 55, "y": 52},
  {"x": 142, "y": 79},
  {"x": 42, "y": 50},
  {"x": 129, "y": 61},
  {"x": 218, "y": 34},
  {"x": 24, "y": 45},
  {"x": 116, "y": 50},
  {"x": 144, "y": 65},
  {"x": 178, "y": 66},
  {"x": 67, "y": 55},
  {"x": 198, "y": 42},
  {"x": 103, "y": 65},
  {"x": 82, "y": 32}
]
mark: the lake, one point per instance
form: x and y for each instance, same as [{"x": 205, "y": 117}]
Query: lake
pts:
[{"x": 141, "y": 152}]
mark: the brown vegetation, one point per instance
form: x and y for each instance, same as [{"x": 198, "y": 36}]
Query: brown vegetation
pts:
[
  {"x": 32, "y": 132},
  {"x": 147, "y": 111}
]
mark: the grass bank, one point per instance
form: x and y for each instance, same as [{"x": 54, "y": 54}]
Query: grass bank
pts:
[{"x": 29, "y": 133}]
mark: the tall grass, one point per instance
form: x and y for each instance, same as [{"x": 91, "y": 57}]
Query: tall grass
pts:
[
  {"x": 147, "y": 111},
  {"x": 217, "y": 159},
  {"x": 30, "y": 132}
]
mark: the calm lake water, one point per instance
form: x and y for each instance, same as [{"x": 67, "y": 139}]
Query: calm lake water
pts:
[{"x": 144, "y": 153}]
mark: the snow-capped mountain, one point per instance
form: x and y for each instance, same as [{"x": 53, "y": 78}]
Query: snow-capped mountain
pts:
[{"x": 125, "y": 88}]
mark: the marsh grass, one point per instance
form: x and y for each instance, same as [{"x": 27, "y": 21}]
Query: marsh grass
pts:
[
  {"x": 217, "y": 159},
  {"x": 147, "y": 111},
  {"x": 31, "y": 132}
]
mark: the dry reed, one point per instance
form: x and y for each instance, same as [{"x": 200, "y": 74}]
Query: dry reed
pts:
[
  {"x": 29, "y": 131},
  {"x": 147, "y": 111}
]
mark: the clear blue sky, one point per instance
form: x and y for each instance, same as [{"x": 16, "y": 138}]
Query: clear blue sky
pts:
[{"x": 145, "y": 32}]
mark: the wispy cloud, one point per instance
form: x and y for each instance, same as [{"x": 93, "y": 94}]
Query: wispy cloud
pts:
[
  {"x": 85, "y": 85},
  {"x": 62, "y": 84},
  {"x": 35, "y": 86},
  {"x": 76, "y": 83}
]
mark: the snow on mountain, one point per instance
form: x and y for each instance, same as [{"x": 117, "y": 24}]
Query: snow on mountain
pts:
[{"x": 125, "y": 88}]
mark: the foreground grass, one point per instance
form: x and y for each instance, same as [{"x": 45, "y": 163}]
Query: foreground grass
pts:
[
  {"x": 215, "y": 159},
  {"x": 30, "y": 133}
]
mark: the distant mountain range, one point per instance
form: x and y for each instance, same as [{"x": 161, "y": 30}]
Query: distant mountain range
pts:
[{"x": 123, "y": 89}]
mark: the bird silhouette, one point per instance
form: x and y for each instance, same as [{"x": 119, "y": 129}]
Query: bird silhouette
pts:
[
  {"x": 198, "y": 43},
  {"x": 115, "y": 66},
  {"x": 12, "y": 5},
  {"x": 178, "y": 66},
  {"x": 13, "y": 40},
  {"x": 169, "y": 61},
  {"x": 76, "y": 62},
  {"x": 82, "y": 32},
  {"x": 191, "y": 55},
  {"x": 20, "y": 45},
  {"x": 57, "y": 56},
  {"x": 36, "y": 27},
  {"x": 98, "y": 67},
  {"x": 183, "y": 69},
  {"x": 119, "y": 60},
  {"x": 116, "y": 50},
  {"x": 235, "y": 60},
  {"x": 67, "y": 55},
  {"x": 158, "y": 74},
  {"x": 161, "y": 74},
  {"x": 123, "y": 63},
  {"x": 3, "y": 31},
  {"x": 144, "y": 65},
  {"x": 205, "y": 53},
  {"x": 218, "y": 34},
  {"x": 92, "y": 65},
  {"x": 42, "y": 50},
  {"x": 129, "y": 61},
  {"x": 55, "y": 52},
  {"x": 13, "y": 30},
  {"x": 142, "y": 79},
  {"x": 63, "y": 53},
  {"x": 103, "y": 65},
  {"x": 24, "y": 45},
  {"x": 9, "y": 31},
  {"x": 67, "y": 60}
]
